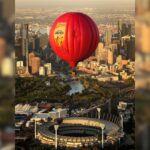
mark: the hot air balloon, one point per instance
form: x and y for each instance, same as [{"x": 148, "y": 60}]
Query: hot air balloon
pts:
[{"x": 74, "y": 37}]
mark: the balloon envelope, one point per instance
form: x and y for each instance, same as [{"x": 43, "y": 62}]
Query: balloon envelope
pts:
[{"x": 74, "y": 37}]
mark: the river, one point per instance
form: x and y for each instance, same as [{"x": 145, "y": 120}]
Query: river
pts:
[{"x": 76, "y": 87}]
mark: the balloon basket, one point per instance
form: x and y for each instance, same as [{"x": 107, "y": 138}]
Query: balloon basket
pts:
[{"x": 73, "y": 72}]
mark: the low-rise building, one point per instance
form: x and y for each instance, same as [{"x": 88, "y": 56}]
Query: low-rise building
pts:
[
  {"x": 106, "y": 77},
  {"x": 26, "y": 109},
  {"x": 58, "y": 113}
]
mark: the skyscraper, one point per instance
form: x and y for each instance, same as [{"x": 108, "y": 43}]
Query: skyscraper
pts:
[
  {"x": 108, "y": 37},
  {"x": 31, "y": 55},
  {"x": 48, "y": 68},
  {"x": 31, "y": 44},
  {"x": 126, "y": 29},
  {"x": 119, "y": 29},
  {"x": 131, "y": 49},
  {"x": 128, "y": 44},
  {"x": 98, "y": 51},
  {"x": 24, "y": 36},
  {"x": 119, "y": 36},
  {"x": 129, "y": 29},
  {"x": 18, "y": 48},
  {"x": 36, "y": 62},
  {"x": 110, "y": 56},
  {"x": 41, "y": 42},
  {"x": 25, "y": 40},
  {"x": 114, "y": 48}
]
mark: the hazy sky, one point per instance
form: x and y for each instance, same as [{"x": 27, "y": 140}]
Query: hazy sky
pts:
[{"x": 74, "y": 3}]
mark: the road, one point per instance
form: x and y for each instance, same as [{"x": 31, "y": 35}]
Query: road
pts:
[{"x": 125, "y": 94}]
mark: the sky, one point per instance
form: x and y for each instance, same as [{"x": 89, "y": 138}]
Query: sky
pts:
[{"x": 74, "y": 3}]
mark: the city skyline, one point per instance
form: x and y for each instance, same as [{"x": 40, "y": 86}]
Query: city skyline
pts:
[
  {"x": 107, "y": 4},
  {"x": 98, "y": 86}
]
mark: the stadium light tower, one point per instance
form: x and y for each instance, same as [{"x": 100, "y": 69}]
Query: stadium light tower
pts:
[
  {"x": 102, "y": 127},
  {"x": 59, "y": 112},
  {"x": 121, "y": 121},
  {"x": 56, "y": 138},
  {"x": 99, "y": 112},
  {"x": 35, "y": 127}
]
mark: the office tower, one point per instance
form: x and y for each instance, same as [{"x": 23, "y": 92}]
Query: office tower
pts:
[
  {"x": 129, "y": 29},
  {"x": 108, "y": 37},
  {"x": 119, "y": 59},
  {"x": 124, "y": 40},
  {"x": 114, "y": 48},
  {"x": 119, "y": 27},
  {"x": 31, "y": 44},
  {"x": 131, "y": 49},
  {"x": 48, "y": 68},
  {"x": 24, "y": 35},
  {"x": 41, "y": 42},
  {"x": 128, "y": 44},
  {"x": 37, "y": 44},
  {"x": 126, "y": 29},
  {"x": 18, "y": 49},
  {"x": 36, "y": 62},
  {"x": 110, "y": 56},
  {"x": 123, "y": 30},
  {"x": 103, "y": 55},
  {"x": 42, "y": 71},
  {"x": 119, "y": 30},
  {"x": 19, "y": 64},
  {"x": 116, "y": 40},
  {"x": 31, "y": 55},
  {"x": 98, "y": 51}
]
